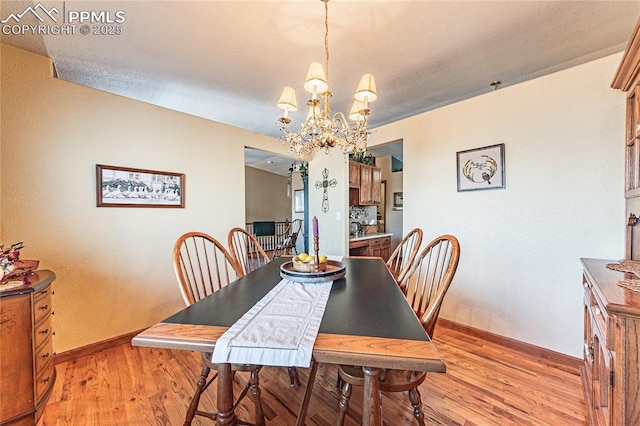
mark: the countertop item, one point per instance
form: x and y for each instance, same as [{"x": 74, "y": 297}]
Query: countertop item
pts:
[{"x": 370, "y": 236}]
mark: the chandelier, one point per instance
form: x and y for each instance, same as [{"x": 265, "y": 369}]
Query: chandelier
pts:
[{"x": 321, "y": 129}]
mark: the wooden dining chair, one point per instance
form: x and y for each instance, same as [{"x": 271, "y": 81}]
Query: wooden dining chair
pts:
[
  {"x": 246, "y": 250},
  {"x": 402, "y": 257},
  {"x": 249, "y": 254},
  {"x": 202, "y": 266},
  {"x": 286, "y": 242},
  {"x": 425, "y": 285}
]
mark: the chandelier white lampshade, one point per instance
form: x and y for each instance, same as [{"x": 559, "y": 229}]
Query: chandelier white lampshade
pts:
[
  {"x": 366, "y": 91},
  {"x": 288, "y": 101},
  {"x": 354, "y": 112},
  {"x": 321, "y": 129},
  {"x": 316, "y": 81}
]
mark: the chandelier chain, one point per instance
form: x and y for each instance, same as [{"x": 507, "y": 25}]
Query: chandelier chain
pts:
[{"x": 326, "y": 37}]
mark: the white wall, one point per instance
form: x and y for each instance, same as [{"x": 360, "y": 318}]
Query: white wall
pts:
[
  {"x": 113, "y": 265},
  {"x": 266, "y": 196},
  {"x": 519, "y": 273},
  {"x": 394, "y": 184},
  {"x": 333, "y": 224}
]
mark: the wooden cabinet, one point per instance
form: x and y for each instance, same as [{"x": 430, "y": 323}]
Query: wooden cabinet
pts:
[
  {"x": 627, "y": 79},
  {"x": 354, "y": 174},
  {"x": 375, "y": 246},
  {"x": 611, "y": 369},
  {"x": 28, "y": 373},
  {"x": 365, "y": 184},
  {"x": 381, "y": 247}
]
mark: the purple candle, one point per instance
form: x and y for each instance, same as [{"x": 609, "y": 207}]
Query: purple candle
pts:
[{"x": 315, "y": 226}]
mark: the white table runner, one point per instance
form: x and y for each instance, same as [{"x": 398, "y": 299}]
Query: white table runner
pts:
[{"x": 279, "y": 330}]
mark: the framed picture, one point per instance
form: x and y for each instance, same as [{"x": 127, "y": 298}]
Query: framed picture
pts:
[
  {"x": 298, "y": 200},
  {"x": 127, "y": 187},
  {"x": 397, "y": 201},
  {"x": 481, "y": 168}
]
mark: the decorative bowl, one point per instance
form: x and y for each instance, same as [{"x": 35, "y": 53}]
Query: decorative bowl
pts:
[{"x": 307, "y": 266}]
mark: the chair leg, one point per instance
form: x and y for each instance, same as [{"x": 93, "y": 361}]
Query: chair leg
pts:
[
  {"x": 191, "y": 412},
  {"x": 414, "y": 397},
  {"x": 344, "y": 403},
  {"x": 254, "y": 394},
  {"x": 293, "y": 377}
]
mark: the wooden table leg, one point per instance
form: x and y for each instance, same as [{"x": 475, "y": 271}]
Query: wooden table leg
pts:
[
  {"x": 304, "y": 406},
  {"x": 371, "y": 415},
  {"x": 226, "y": 416}
]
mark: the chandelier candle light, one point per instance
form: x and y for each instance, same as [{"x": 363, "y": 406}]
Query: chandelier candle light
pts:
[{"x": 320, "y": 129}]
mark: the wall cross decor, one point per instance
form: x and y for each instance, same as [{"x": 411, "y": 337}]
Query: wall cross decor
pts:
[{"x": 324, "y": 184}]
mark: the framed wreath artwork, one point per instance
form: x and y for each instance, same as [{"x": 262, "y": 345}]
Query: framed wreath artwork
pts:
[{"x": 481, "y": 168}]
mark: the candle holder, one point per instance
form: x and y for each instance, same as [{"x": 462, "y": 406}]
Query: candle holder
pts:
[{"x": 316, "y": 259}]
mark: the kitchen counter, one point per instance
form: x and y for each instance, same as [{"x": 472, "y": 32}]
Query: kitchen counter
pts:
[
  {"x": 377, "y": 245},
  {"x": 369, "y": 236}
]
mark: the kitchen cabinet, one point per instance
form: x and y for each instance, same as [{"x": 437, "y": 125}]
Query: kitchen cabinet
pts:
[
  {"x": 354, "y": 174},
  {"x": 28, "y": 373},
  {"x": 611, "y": 368},
  {"x": 371, "y": 246},
  {"x": 368, "y": 190}
]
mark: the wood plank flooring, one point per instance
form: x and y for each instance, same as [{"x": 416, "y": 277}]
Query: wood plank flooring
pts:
[{"x": 485, "y": 384}]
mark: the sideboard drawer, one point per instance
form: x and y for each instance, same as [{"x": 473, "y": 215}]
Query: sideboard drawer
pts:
[
  {"x": 44, "y": 355},
  {"x": 45, "y": 379},
  {"x": 42, "y": 332},
  {"x": 41, "y": 305}
]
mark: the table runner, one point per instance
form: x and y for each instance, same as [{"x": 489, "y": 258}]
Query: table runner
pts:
[{"x": 279, "y": 330}]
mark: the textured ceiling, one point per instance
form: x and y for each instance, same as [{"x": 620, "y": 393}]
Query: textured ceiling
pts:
[{"x": 227, "y": 61}]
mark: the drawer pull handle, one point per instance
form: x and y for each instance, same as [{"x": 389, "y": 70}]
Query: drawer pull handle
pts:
[
  {"x": 47, "y": 355},
  {"x": 588, "y": 351},
  {"x": 44, "y": 307},
  {"x": 46, "y": 380},
  {"x": 45, "y": 331}
]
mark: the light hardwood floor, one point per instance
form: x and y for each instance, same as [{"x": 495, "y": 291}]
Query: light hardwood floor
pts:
[{"x": 485, "y": 384}]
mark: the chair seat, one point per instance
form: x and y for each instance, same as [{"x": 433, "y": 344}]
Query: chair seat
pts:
[{"x": 388, "y": 381}]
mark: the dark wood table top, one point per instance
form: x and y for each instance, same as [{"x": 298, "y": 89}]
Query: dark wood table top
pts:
[{"x": 367, "y": 320}]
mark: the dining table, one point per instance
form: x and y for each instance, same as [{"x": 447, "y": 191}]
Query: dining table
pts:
[{"x": 367, "y": 322}]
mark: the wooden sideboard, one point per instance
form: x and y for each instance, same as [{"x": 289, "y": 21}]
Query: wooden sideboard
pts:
[
  {"x": 28, "y": 373},
  {"x": 611, "y": 370}
]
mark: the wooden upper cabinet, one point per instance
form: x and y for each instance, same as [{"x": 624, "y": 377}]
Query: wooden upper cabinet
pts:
[
  {"x": 627, "y": 79},
  {"x": 354, "y": 174},
  {"x": 376, "y": 185},
  {"x": 370, "y": 186}
]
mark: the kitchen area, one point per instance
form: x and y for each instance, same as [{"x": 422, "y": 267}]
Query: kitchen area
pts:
[{"x": 368, "y": 235}]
